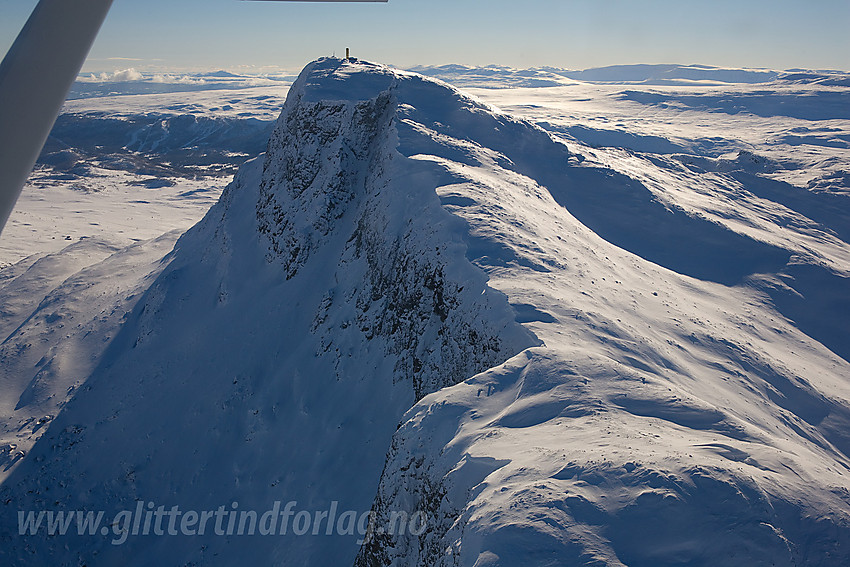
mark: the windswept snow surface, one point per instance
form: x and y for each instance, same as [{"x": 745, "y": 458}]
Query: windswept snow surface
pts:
[{"x": 616, "y": 337}]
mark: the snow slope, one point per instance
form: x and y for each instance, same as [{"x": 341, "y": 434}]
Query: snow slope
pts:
[
  {"x": 561, "y": 354},
  {"x": 50, "y": 348}
]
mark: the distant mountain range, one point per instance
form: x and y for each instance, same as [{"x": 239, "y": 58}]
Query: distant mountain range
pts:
[{"x": 637, "y": 74}]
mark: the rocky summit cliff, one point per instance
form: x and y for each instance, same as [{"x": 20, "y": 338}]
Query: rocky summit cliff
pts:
[{"x": 407, "y": 306}]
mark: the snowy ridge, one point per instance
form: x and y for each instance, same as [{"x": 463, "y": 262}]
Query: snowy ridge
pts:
[
  {"x": 332, "y": 170},
  {"x": 241, "y": 344},
  {"x": 414, "y": 292},
  {"x": 555, "y": 451}
]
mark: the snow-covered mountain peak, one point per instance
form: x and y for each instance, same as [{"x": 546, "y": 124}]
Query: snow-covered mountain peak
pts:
[
  {"x": 325, "y": 293},
  {"x": 330, "y": 79},
  {"x": 415, "y": 304}
]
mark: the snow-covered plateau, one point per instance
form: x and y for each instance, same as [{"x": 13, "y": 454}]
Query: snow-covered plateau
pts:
[{"x": 560, "y": 318}]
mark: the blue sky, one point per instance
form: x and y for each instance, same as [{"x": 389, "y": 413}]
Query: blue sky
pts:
[{"x": 174, "y": 35}]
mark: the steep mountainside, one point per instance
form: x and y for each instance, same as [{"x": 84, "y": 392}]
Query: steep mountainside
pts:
[{"x": 413, "y": 303}]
